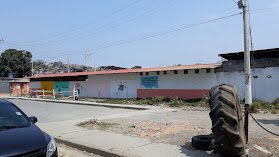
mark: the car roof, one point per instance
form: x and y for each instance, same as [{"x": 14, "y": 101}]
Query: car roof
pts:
[{"x": 5, "y": 102}]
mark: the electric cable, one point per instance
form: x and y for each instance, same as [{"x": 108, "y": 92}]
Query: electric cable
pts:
[
  {"x": 90, "y": 23},
  {"x": 262, "y": 126},
  {"x": 157, "y": 34},
  {"x": 95, "y": 29}
]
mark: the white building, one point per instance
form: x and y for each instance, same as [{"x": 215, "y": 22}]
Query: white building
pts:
[{"x": 186, "y": 81}]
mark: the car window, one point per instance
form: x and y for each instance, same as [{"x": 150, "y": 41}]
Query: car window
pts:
[{"x": 11, "y": 116}]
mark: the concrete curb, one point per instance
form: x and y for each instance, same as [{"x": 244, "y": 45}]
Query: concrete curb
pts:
[
  {"x": 88, "y": 149},
  {"x": 131, "y": 107}
]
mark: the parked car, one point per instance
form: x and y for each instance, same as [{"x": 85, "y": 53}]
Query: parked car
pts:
[{"x": 19, "y": 136}]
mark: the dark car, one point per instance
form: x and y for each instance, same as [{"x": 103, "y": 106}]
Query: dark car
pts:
[{"x": 19, "y": 136}]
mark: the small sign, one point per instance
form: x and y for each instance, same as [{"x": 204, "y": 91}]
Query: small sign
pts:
[
  {"x": 150, "y": 81},
  {"x": 18, "y": 113}
]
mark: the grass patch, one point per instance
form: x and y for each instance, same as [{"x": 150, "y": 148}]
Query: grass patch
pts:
[
  {"x": 260, "y": 105},
  {"x": 158, "y": 100},
  {"x": 96, "y": 124}
]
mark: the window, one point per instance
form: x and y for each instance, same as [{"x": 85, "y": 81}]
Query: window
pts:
[
  {"x": 141, "y": 73},
  {"x": 158, "y": 72},
  {"x": 18, "y": 86},
  {"x": 165, "y": 72},
  {"x": 147, "y": 73},
  {"x": 175, "y": 71},
  {"x": 185, "y": 71},
  {"x": 208, "y": 70},
  {"x": 197, "y": 71}
]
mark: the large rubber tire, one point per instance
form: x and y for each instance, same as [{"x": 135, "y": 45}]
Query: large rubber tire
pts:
[
  {"x": 203, "y": 142},
  {"x": 227, "y": 122}
]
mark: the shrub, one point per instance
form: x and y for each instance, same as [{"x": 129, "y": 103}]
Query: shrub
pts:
[
  {"x": 157, "y": 99},
  {"x": 260, "y": 104},
  {"x": 276, "y": 101},
  {"x": 166, "y": 99}
]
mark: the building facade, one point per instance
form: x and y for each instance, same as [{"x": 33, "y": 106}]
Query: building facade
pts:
[{"x": 186, "y": 81}]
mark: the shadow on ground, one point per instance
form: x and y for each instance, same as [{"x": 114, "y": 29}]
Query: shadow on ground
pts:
[
  {"x": 273, "y": 121},
  {"x": 188, "y": 150}
]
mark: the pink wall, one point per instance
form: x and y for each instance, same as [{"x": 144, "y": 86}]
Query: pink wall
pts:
[
  {"x": 173, "y": 93},
  {"x": 91, "y": 88}
]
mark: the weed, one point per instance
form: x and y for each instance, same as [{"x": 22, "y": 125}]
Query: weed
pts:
[
  {"x": 96, "y": 123},
  {"x": 157, "y": 99}
]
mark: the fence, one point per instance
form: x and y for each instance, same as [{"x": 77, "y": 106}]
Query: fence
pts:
[{"x": 46, "y": 93}]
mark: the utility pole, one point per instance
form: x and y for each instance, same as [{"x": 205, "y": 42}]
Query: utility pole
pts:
[
  {"x": 68, "y": 65},
  {"x": 32, "y": 69},
  {"x": 85, "y": 61},
  {"x": 242, "y": 4},
  {"x": 86, "y": 55}
]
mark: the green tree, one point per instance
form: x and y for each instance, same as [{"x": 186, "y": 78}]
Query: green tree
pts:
[
  {"x": 15, "y": 62},
  {"x": 136, "y": 67}
]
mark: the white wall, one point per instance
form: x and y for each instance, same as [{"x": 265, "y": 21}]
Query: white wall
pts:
[
  {"x": 91, "y": 88},
  {"x": 191, "y": 80},
  {"x": 132, "y": 82},
  {"x": 36, "y": 84},
  {"x": 263, "y": 88}
]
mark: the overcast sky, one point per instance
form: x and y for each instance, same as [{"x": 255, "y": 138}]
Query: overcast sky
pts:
[{"x": 54, "y": 30}]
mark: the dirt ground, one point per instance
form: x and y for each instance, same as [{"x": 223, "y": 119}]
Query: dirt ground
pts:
[
  {"x": 65, "y": 151},
  {"x": 177, "y": 127}
]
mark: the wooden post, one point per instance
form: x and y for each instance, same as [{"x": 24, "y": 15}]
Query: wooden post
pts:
[
  {"x": 127, "y": 93},
  {"x": 74, "y": 92},
  {"x": 43, "y": 93},
  {"x": 99, "y": 96},
  {"x": 53, "y": 93},
  {"x": 36, "y": 93}
]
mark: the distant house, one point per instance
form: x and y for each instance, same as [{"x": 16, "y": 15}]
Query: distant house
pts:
[
  {"x": 13, "y": 85},
  {"x": 111, "y": 68}
]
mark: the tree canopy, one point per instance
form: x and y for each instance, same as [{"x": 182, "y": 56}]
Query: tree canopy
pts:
[
  {"x": 16, "y": 62},
  {"x": 136, "y": 67}
]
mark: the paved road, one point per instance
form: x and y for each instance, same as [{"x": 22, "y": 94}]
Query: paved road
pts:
[{"x": 52, "y": 112}]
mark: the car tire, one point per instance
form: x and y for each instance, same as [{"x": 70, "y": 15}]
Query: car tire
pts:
[
  {"x": 226, "y": 117},
  {"x": 203, "y": 142}
]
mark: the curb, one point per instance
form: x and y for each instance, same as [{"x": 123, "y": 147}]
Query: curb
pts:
[
  {"x": 84, "y": 103},
  {"x": 88, "y": 149}
]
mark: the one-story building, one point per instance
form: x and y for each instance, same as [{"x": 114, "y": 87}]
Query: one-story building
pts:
[
  {"x": 13, "y": 86},
  {"x": 186, "y": 81}
]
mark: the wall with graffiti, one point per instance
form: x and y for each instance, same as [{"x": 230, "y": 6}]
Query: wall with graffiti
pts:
[
  {"x": 92, "y": 88},
  {"x": 60, "y": 86}
]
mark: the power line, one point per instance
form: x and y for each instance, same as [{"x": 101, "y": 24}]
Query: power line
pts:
[
  {"x": 90, "y": 23},
  {"x": 235, "y": 2},
  {"x": 86, "y": 32},
  {"x": 156, "y": 34},
  {"x": 112, "y": 26}
]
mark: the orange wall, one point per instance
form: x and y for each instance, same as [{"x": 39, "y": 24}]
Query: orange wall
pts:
[
  {"x": 18, "y": 91},
  {"x": 173, "y": 93}
]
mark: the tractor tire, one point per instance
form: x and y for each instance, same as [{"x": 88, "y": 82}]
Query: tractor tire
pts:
[
  {"x": 227, "y": 122},
  {"x": 203, "y": 142}
]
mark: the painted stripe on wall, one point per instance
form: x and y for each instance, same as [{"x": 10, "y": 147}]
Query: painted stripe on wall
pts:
[{"x": 173, "y": 93}]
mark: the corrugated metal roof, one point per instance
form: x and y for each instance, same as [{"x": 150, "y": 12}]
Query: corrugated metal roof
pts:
[
  {"x": 182, "y": 67},
  {"x": 264, "y": 53}
]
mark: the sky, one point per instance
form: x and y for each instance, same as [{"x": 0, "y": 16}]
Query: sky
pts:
[{"x": 114, "y": 32}]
